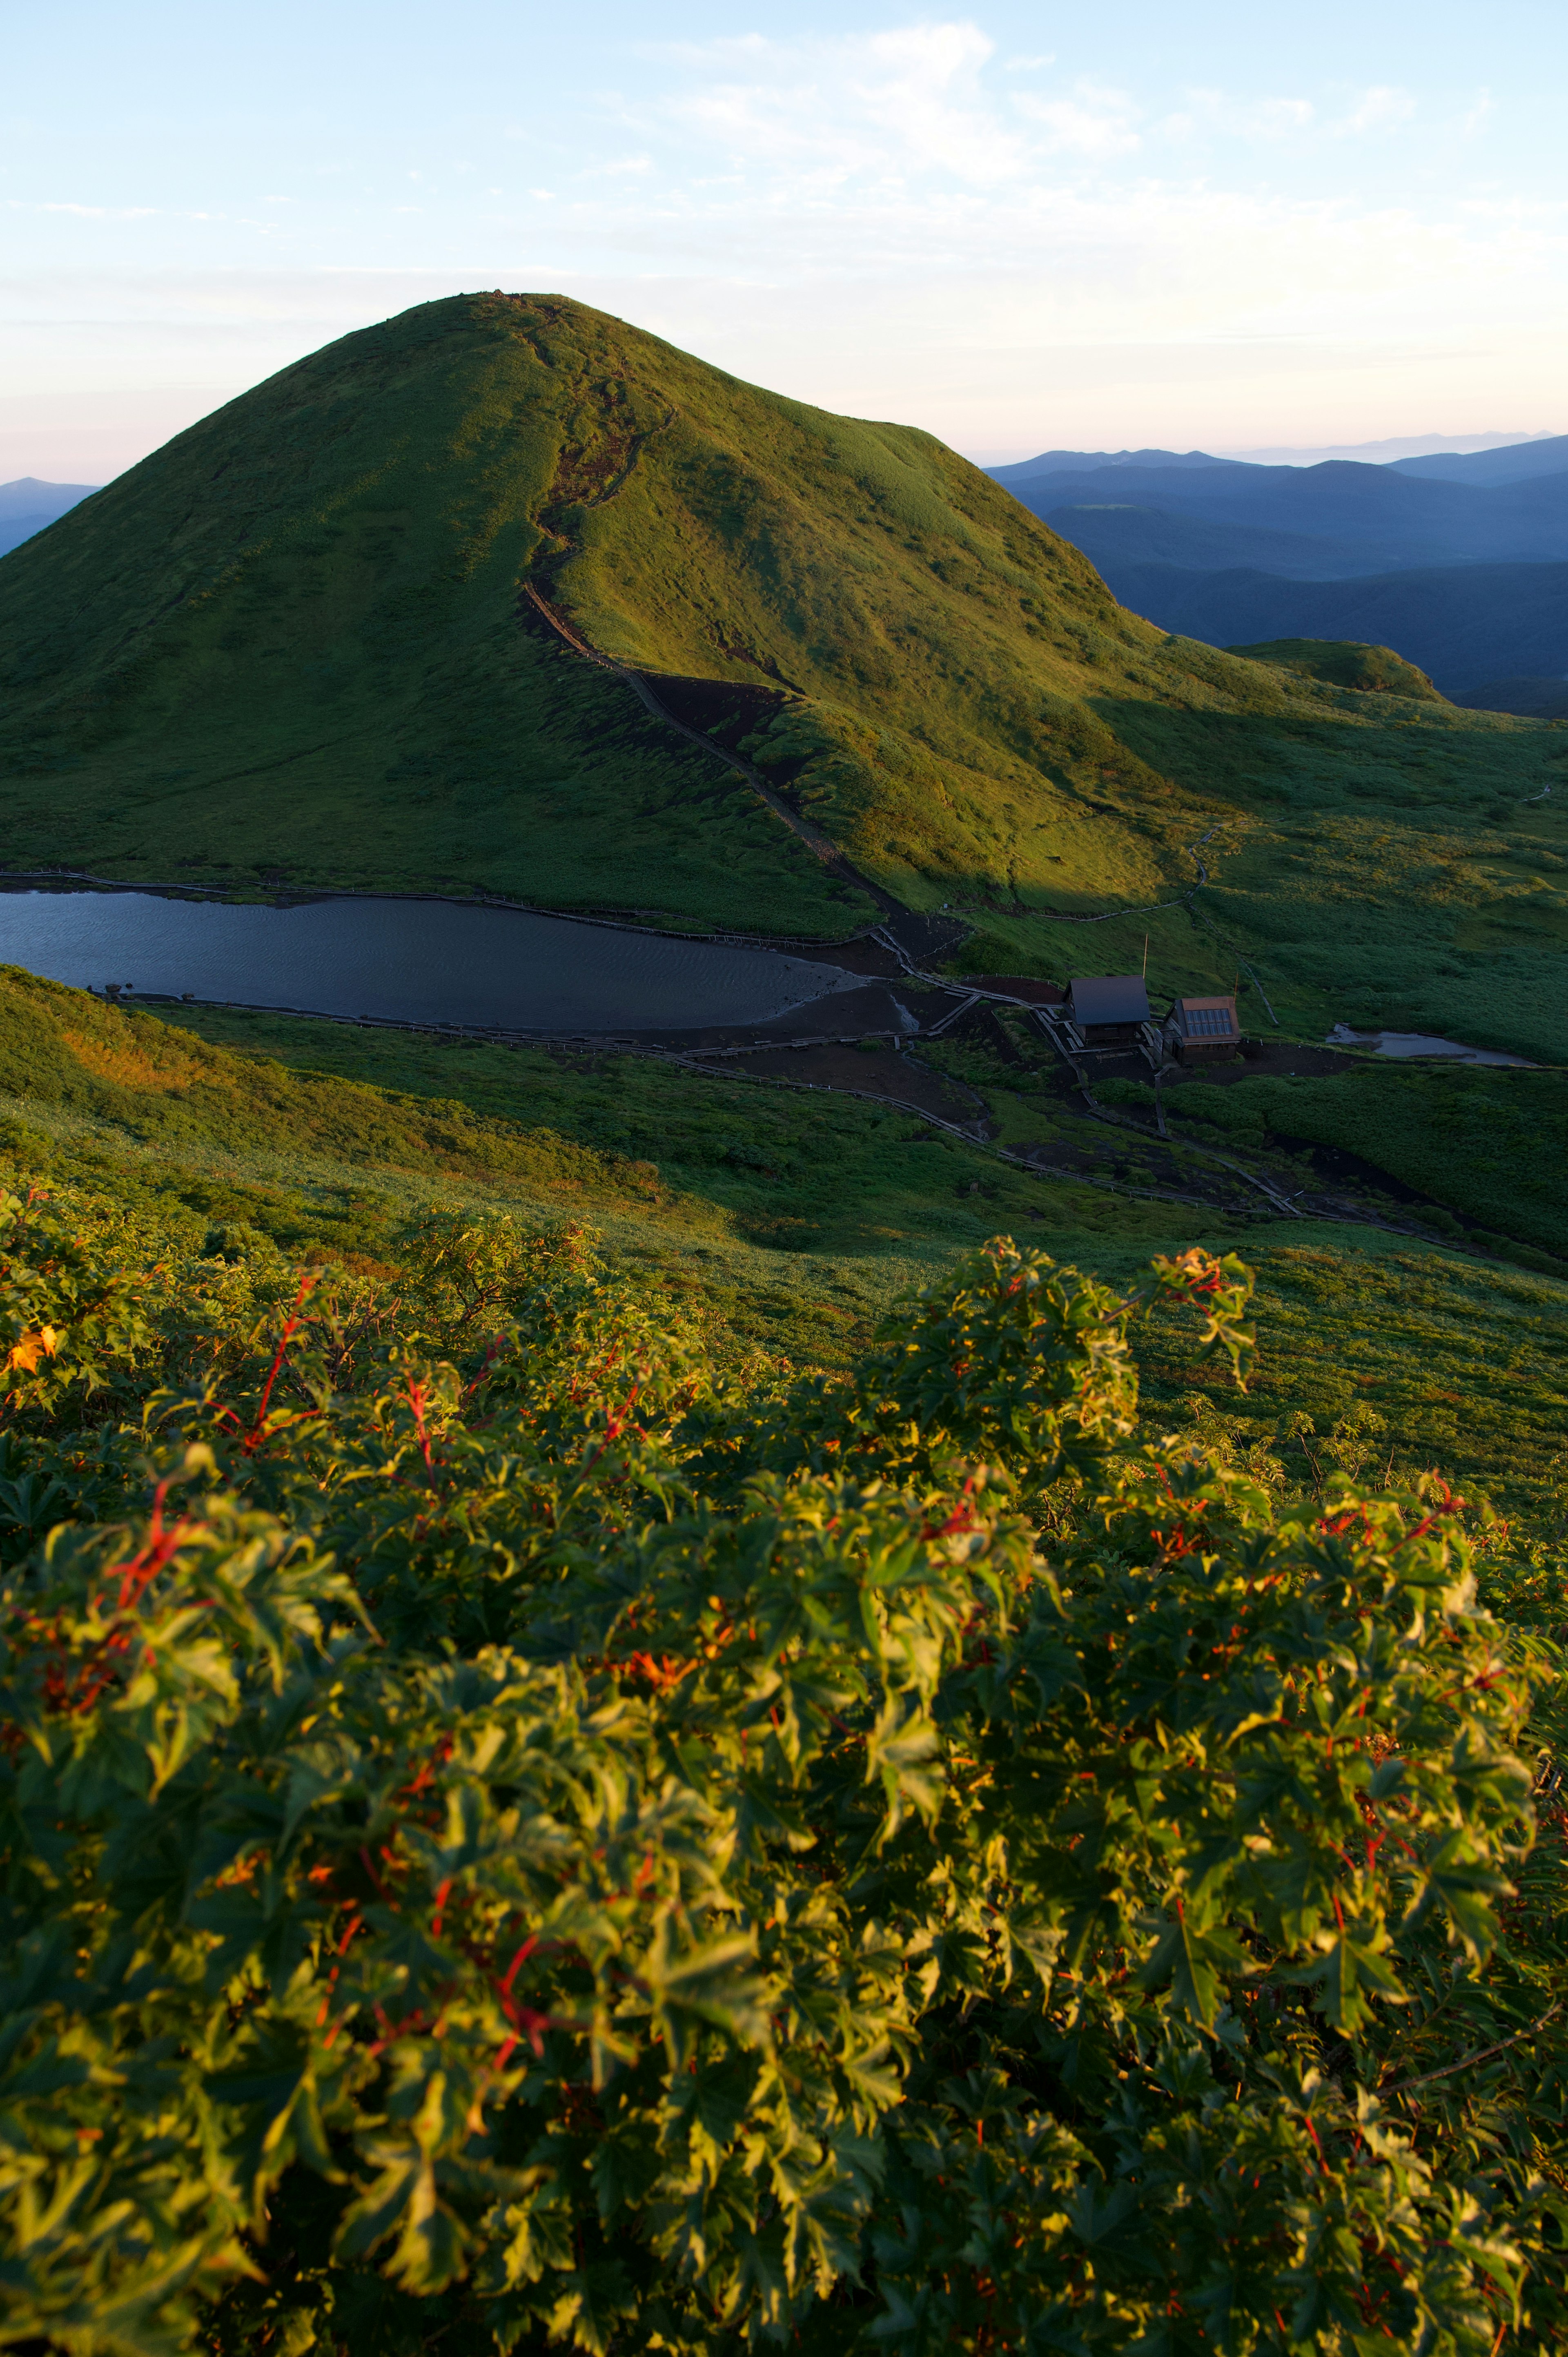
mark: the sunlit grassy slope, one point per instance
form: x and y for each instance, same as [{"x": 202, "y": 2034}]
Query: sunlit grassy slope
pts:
[
  {"x": 787, "y": 1221},
  {"x": 293, "y": 646},
  {"x": 802, "y": 1213}
]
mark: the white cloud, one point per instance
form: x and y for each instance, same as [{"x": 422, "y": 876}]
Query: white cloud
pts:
[
  {"x": 1093, "y": 121},
  {"x": 1219, "y": 115},
  {"x": 1379, "y": 109},
  {"x": 1479, "y": 115},
  {"x": 877, "y": 106},
  {"x": 83, "y": 213}
]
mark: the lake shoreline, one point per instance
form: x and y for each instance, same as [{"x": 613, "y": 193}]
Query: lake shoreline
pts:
[{"x": 427, "y": 961}]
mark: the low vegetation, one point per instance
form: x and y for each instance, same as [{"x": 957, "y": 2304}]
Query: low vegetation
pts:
[
  {"x": 1347, "y": 663},
  {"x": 519, "y": 1835},
  {"x": 1485, "y": 1141},
  {"x": 786, "y": 1222},
  {"x": 795, "y": 1215}
]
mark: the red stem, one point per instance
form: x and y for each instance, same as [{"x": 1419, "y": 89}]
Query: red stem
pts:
[{"x": 291, "y": 1324}]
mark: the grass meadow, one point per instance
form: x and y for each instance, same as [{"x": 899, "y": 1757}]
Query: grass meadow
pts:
[{"x": 788, "y": 1223}]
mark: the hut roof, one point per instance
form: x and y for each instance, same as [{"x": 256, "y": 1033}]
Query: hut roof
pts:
[
  {"x": 1208, "y": 1018},
  {"x": 1108, "y": 999}
]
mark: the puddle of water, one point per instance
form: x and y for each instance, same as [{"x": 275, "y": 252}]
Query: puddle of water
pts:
[
  {"x": 406, "y": 962},
  {"x": 1420, "y": 1043}
]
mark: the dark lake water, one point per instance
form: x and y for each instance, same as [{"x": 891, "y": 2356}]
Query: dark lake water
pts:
[{"x": 406, "y": 962}]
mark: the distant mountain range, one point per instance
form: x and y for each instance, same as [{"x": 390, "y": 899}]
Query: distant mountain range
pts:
[
  {"x": 1514, "y": 464},
  {"x": 1467, "y": 626},
  {"x": 1458, "y": 562},
  {"x": 1383, "y": 452},
  {"x": 1083, "y": 462},
  {"x": 27, "y": 505}
]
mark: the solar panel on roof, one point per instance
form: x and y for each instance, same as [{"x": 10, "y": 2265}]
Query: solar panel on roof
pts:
[{"x": 1208, "y": 1022}]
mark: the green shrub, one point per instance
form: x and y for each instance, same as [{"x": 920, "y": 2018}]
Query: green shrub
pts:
[{"x": 511, "y": 1837}]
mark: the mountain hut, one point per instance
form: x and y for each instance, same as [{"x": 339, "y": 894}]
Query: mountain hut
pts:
[
  {"x": 1202, "y": 1030},
  {"x": 1109, "y": 1009}
]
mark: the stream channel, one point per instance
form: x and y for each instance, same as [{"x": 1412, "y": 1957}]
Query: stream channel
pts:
[{"x": 421, "y": 962}]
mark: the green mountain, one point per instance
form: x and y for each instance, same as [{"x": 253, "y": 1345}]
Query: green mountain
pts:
[
  {"x": 1347, "y": 662},
  {"x": 314, "y": 641}
]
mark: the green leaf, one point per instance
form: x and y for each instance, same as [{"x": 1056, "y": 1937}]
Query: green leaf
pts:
[
  {"x": 1354, "y": 1972},
  {"x": 1195, "y": 1955}
]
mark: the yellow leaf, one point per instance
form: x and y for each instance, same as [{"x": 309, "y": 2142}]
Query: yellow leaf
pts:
[{"x": 41, "y": 1343}]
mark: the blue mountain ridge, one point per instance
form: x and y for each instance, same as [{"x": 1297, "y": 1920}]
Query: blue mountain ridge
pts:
[
  {"x": 27, "y": 505},
  {"x": 1459, "y": 564}
]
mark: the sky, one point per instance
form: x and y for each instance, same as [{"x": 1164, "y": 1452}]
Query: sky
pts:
[{"x": 1235, "y": 228}]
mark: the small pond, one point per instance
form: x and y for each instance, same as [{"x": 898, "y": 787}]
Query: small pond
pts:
[
  {"x": 405, "y": 962},
  {"x": 1420, "y": 1043}
]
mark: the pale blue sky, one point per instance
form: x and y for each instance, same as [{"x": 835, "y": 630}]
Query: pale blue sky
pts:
[{"x": 1019, "y": 226}]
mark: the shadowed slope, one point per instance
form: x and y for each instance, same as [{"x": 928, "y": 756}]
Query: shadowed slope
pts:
[{"x": 1347, "y": 662}]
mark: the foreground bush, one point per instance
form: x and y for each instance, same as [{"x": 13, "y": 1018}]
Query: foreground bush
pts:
[{"x": 511, "y": 1837}]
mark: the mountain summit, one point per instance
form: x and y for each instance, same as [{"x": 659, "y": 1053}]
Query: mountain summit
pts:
[
  {"x": 424, "y": 611},
  {"x": 327, "y": 635}
]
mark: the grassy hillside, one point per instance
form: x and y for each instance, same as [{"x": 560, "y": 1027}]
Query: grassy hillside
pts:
[
  {"x": 1346, "y": 662},
  {"x": 286, "y": 647},
  {"x": 783, "y": 1221},
  {"x": 1369, "y": 865},
  {"x": 1489, "y": 1143},
  {"x": 797, "y": 1215},
  {"x": 291, "y": 646}
]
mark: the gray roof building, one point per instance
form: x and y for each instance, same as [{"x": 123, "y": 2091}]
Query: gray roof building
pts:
[{"x": 1105, "y": 999}]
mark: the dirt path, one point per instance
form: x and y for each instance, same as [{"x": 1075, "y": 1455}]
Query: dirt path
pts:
[{"x": 828, "y": 852}]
